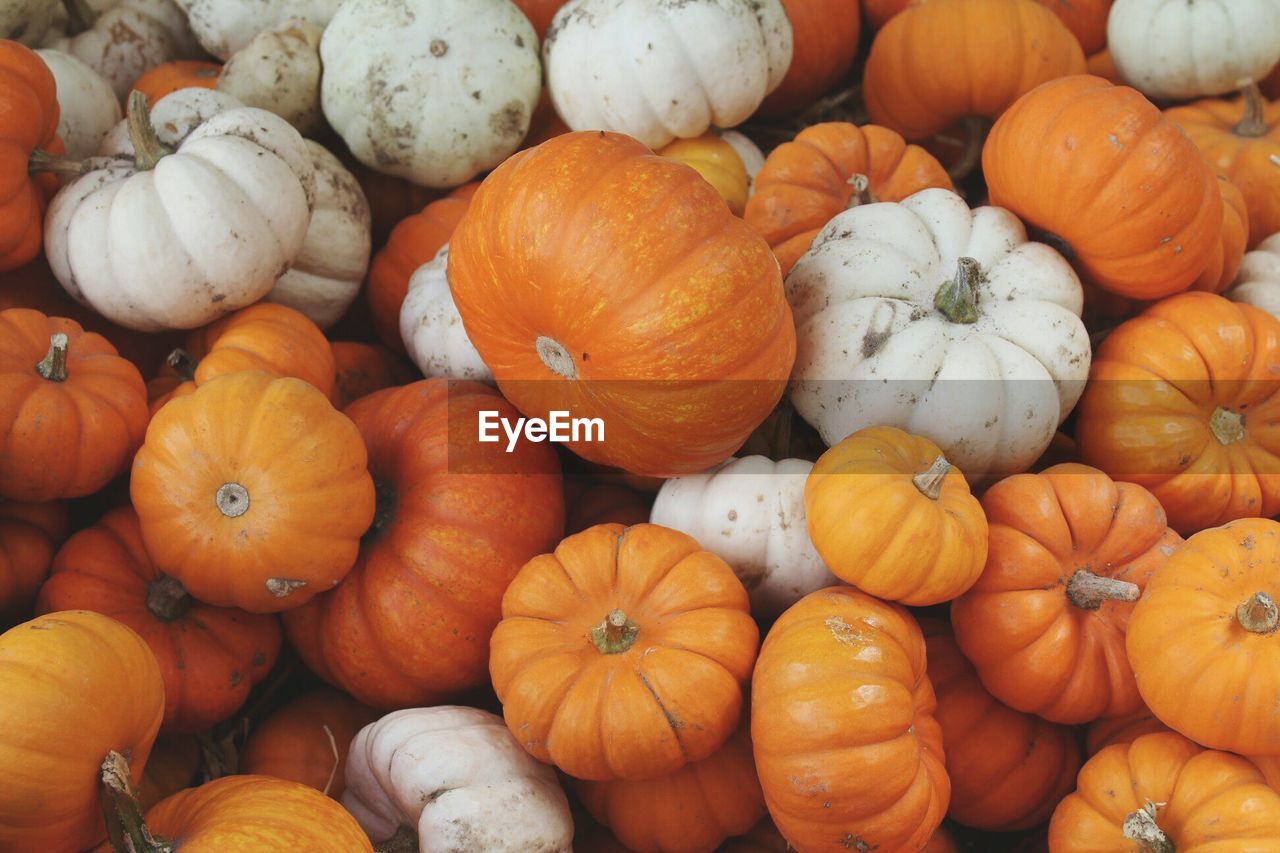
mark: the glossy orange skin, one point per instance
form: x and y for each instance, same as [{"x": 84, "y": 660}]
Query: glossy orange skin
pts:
[
  {"x": 804, "y": 183},
  {"x": 691, "y": 810},
  {"x": 363, "y": 368},
  {"x": 1246, "y": 160},
  {"x": 304, "y": 467},
  {"x": 1185, "y": 640},
  {"x": 1008, "y": 770},
  {"x": 825, "y": 37},
  {"x": 413, "y": 242},
  {"x": 245, "y": 813},
  {"x": 835, "y": 771},
  {"x": 1120, "y": 237},
  {"x": 1124, "y": 729},
  {"x": 540, "y": 13},
  {"x": 292, "y": 743},
  {"x": 1033, "y": 647},
  {"x": 667, "y": 310},
  {"x": 673, "y": 697},
  {"x": 456, "y": 520},
  {"x": 76, "y": 685},
  {"x": 210, "y": 657},
  {"x": 1207, "y": 800},
  {"x": 29, "y": 536},
  {"x": 169, "y": 77},
  {"x": 28, "y": 122},
  {"x": 876, "y": 530},
  {"x": 905, "y": 92},
  {"x": 590, "y": 503},
  {"x": 172, "y": 766},
  {"x": 63, "y": 439},
  {"x": 1155, "y": 384}
]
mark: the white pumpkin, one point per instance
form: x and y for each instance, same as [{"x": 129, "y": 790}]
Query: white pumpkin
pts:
[
  {"x": 942, "y": 321},
  {"x": 431, "y": 327},
  {"x": 435, "y": 91},
  {"x": 224, "y": 27},
  {"x": 1258, "y": 283},
  {"x": 1173, "y": 49},
  {"x": 178, "y": 237},
  {"x": 457, "y": 777},
  {"x": 27, "y": 21},
  {"x": 88, "y": 107},
  {"x": 661, "y": 71},
  {"x": 326, "y": 275},
  {"x": 750, "y": 513},
  {"x": 750, "y": 154},
  {"x": 174, "y": 117},
  {"x": 279, "y": 70}
]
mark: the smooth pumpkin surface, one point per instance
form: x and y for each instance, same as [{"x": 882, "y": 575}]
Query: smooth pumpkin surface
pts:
[
  {"x": 29, "y": 537},
  {"x": 825, "y": 41},
  {"x": 718, "y": 164},
  {"x": 361, "y": 369},
  {"x": 169, "y": 77},
  {"x": 29, "y": 118}
]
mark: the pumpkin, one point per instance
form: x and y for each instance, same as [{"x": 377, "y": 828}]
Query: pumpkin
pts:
[
  {"x": 1102, "y": 65},
  {"x": 1205, "y": 631},
  {"x": 688, "y": 313},
  {"x": 455, "y": 520},
  {"x": 1224, "y": 265},
  {"x": 1258, "y": 283},
  {"x": 1162, "y": 792},
  {"x": 363, "y": 368},
  {"x": 431, "y": 328},
  {"x": 413, "y": 242},
  {"x": 826, "y": 169},
  {"x": 1270, "y": 85},
  {"x": 1217, "y": 45},
  {"x": 253, "y": 492},
  {"x": 943, "y": 321},
  {"x": 717, "y": 162},
  {"x": 306, "y": 740},
  {"x": 750, "y": 512},
  {"x": 77, "y": 685},
  {"x": 1240, "y": 139},
  {"x": 1123, "y": 729},
  {"x": 1118, "y": 236},
  {"x": 87, "y": 106},
  {"x": 1008, "y": 770},
  {"x": 878, "y": 12},
  {"x": 279, "y": 70},
  {"x": 748, "y": 152},
  {"x": 665, "y": 71},
  {"x": 210, "y": 657},
  {"x": 29, "y": 536},
  {"x": 540, "y": 13},
  {"x": 1180, "y": 401},
  {"x": 545, "y": 122},
  {"x": 1087, "y": 20},
  {"x": 825, "y": 36},
  {"x": 29, "y": 115},
  {"x": 693, "y": 809},
  {"x": 226, "y": 26},
  {"x": 27, "y": 21},
  {"x": 656, "y": 685},
  {"x": 73, "y": 410},
  {"x": 168, "y": 77},
  {"x": 171, "y": 767},
  {"x": 456, "y": 779},
  {"x": 588, "y": 503},
  {"x": 1069, "y": 552},
  {"x": 840, "y": 773},
  {"x": 224, "y": 214},
  {"x": 477, "y": 113}
]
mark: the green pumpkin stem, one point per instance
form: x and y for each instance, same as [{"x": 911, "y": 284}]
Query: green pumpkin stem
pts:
[
  {"x": 43, "y": 161},
  {"x": 1089, "y": 591},
  {"x": 404, "y": 841},
  {"x": 126, "y": 830},
  {"x": 957, "y": 299},
  {"x": 1227, "y": 426},
  {"x": 1140, "y": 826},
  {"x": 167, "y": 598},
  {"x": 54, "y": 364},
  {"x": 930, "y": 480},
  {"x": 183, "y": 364},
  {"x": 615, "y": 633},
  {"x": 1253, "y": 124},
  {"x": 1259, "y": 615},
  {"x": 148, "y": 150}
]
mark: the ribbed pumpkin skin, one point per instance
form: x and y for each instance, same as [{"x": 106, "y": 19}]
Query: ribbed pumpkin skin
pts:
[
  {"x": 1126, "y": 729},
  {"x": 29, "y": 118},
  {"x": 29, "y": 537},
  {"x": 1087, "y": 20},
  {"x": 825, "y": 34},
  {"x": 169, "y": 77},
  {"x": 268, "y": 337}
]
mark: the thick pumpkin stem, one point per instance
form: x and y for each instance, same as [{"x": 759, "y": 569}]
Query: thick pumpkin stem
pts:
[
  {"x": 183, "y": 364},
  {"x": 54, "y": 364},
  {"x": 930, "y": 481},
  {"x": 1259, "y": 615},
  {"x": 1140, "y": 826},
  {"x": 232, "y": 499},
  {"x": 975, "y": 136},
  {"x": 861, "y": 192},
  {"x": 615, "y": 633},
  {"x": 957, "y": 299},
  {"x": 1227, "y": 426},
  {"x": 126, "y": 830},
  {"x": 167, "y": 598},
  {"x": 404, "y": 841},
  {"x": 555, "y": 357},
  {"x": 43, "y": 161},
  {"x": 1254, "y": 122},
  {"x": 148, "y": 150},
  {"x": 1089, "y": 591}
]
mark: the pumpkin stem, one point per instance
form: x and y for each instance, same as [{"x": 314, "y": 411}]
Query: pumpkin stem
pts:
[
  {"x": 1259, "y": 615},
  {"x": 1254, "y": 123},
  {"x": 1088, "y": 591},
  {"x": 80, "y": 15},
  {"x": 232, "y": 499},
  {"x": 615, "y": 633},
  {"x": 43, "y": 161},
  {"x": 556, "y": 357},
  {"x": 183, "y": 364},
  {"x": 861, "y": 192},
  {"x": 975, "y": 136},
  {"x": 148, "y": 150},
  {"x": 337, "y": 759},
  {"x": 126, "y": 830},
  {"x": 1227, "y": 426},
  {"x": 957, "y": 299},
  {"x": 930, "y": 481},
  {"x": 54, "y": 364},
  {"x": 167, "y": 598},
  {"x": 404, "y": 841},
  {"x": 1140, "y": 826}
]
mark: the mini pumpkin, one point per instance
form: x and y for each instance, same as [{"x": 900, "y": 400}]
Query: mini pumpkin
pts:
[
  {"x": 717, "y": 162},
  {"x": 168, "y": 77},
  {"x": 432, "y": 329},
  {"x": 279, "y": 70},
  {"x": 29, "y": 115},
  {"x": 226, "y": 26},
  {"x": 87, "y": 106},
  {"x": 1258, "y": 283},
  {"x": 29, "y": 536},
  {"x": 364, "y": 368},
  {"x": 825, "y": 42}
]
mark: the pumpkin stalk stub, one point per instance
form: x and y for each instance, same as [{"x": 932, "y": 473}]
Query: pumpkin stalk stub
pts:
[
  {"x": 1088, "y": 591},
  {"x": 404, "y": 841},
  {"x": 957, "y": 299},
  {"x": 43, "y": 161},
  {"x": 930, "y": 480},
  {"x": 1253, "y": 124},
  {"x": 861, "y": 192},
  {"x": 148, "y": 150},
  {"x": 615, "y": 633},
  {"x": 183, "y": 364},
  {"x": 556, "y": 357},
  {"x": 54, "y": 365},
  {"x": 1259, "y": 614},
  {"x": 232, "y": 499},
  {"x": 1227, "y": 426},
  {"x": 167, "y": 598},
  {"x": 1140, "y": 826},
  {"x": 126, "y": 830}
]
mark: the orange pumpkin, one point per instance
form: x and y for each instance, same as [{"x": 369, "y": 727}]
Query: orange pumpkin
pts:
[
  {"x": 1087, "y": 20},
  {"x": 1270, "y": 85},
  {"x": 1116, "y": 233},
  {"x": 825, "y": 41},
  {"x": 455, "y": 521},
  {"x": 210, "y": 657},
  {"x": 623, "y": 654},
  {"x": 1008, "y": 770},
  {"x": 362, "y": 369},
  {"x": 598, "y": 278},
  {"x": 1102, "y": 65},
  {"x": 1182, "y": 400},
  {"x": 846, "y": 745},
  {"x": 29, "y": 536},
  {"x": 878, "y": 12},
  {"x": 545, "y": 122},
  {"x": 540, "y": 13},
  {"x": 28, "y": 140},
  {"x": 1070, "y": 551},
  {"x": 72, "y": 412},
  {"x": 718, "y": 164},
  {"x": 253, "y": 492},
  {"x": 169, "y": 77},
  {"x": 590, "y": 503},
  {"x": 826, "y": 169},
  {"x": 171, "y": 767},
  {"x": 1123, "y": 729}
]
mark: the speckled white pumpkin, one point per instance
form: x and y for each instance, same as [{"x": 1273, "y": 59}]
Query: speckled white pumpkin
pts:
[
  {"x": 1258, "y": 283},
  {"x": 88, "y": 107},
  {"x": 458, "y": 778},
  {"x": 279, "y": 70},
  {"x": 27, "y": 21},
  {"x": 988, "y": 380},
  {"x": 225, "y": 26},
  {"x": 431, "y": 327},
  {"x": 666, "y": 70},
  {"x": 434, "y": 91}
]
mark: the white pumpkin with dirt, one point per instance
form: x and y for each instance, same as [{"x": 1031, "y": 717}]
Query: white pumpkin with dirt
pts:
[
  {"x": 279, "y": 70},
  {"x": 88, "y": 108}
]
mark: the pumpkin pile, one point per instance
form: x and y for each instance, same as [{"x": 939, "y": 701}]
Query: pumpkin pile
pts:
[{"x": 537, "y": 426}]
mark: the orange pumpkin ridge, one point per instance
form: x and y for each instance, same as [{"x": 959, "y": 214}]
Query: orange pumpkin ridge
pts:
[{"x": 28, "y": 143}]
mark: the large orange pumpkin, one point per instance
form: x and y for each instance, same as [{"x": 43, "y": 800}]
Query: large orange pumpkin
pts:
[
  {"x": 456, "y": 519},
  {"x": 598, "y": 278},
  {"x": 28, "y": 137},
  {"x": 825, "y": 42},
  {"x": 1087, "y": 19},
  {"x": 72, "y": 412},
  {"x": 29, "y": 536},
  {"x": 623, "y": 654},
  {"x": 169, "y": 77},
  {"x": 362, "y": 369},
  {"x": 1075, "y": 158},
  {"x": 846, "y": 745},
  {"x": 1182, "y": 400},
  {"x": 1070, "y": 551},
  {"x": 827, "y": 168}
]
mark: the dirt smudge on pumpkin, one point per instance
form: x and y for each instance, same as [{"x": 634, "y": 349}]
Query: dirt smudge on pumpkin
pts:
[
  {"x": 674, "y": 722},
  {"x": 510, "y": 120}
]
